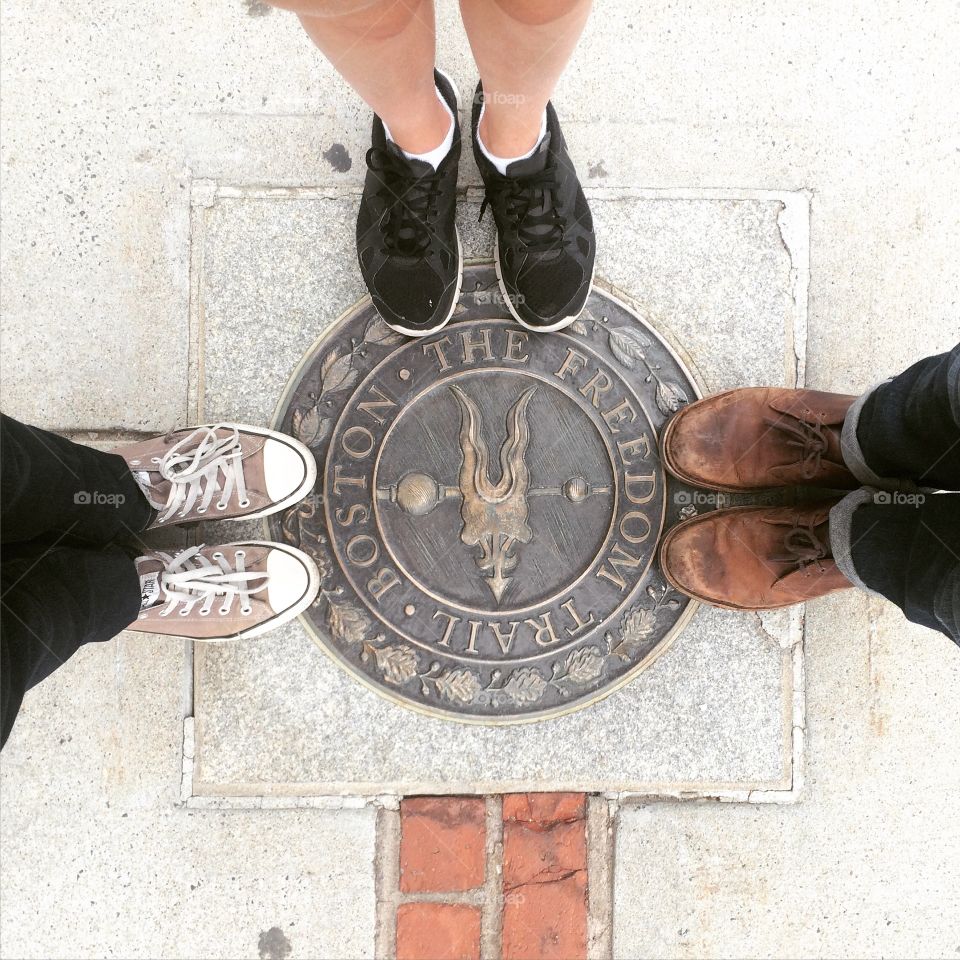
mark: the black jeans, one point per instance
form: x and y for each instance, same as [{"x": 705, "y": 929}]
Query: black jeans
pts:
[
  {"x": 902, "y": 542},
  {"x": 63, "y": 582}
]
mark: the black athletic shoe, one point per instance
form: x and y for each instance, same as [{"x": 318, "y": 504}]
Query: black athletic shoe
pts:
[
  {"x": 407, "y": 241},
  {"x": 545, "y": 246}
]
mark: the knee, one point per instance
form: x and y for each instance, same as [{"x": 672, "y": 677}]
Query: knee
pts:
[
  {"x": 374, "y": 19},
  {"x": 537, "y": 13},
  {"x": 324, "y": 8}
]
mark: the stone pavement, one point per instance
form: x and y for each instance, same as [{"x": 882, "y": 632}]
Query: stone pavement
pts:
[
  {"x": 178, "y": 190},
  {"x": 732, "y": 260}
]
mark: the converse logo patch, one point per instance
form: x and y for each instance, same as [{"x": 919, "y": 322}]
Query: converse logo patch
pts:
[{"x": 149, "y": 590}]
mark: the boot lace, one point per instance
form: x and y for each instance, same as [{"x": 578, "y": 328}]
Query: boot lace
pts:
[
  {"x": 803, "y": 547},
  {"x": 809, "y": 438},
  {"x": 190, "y": 578},
  {"x": 412, "y": 203}
]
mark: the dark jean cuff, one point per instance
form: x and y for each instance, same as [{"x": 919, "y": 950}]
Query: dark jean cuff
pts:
[
  {"x": 841, "y": 539},
  {"x": 853, "y": 455},
  {"x": 136, "y": 511}
]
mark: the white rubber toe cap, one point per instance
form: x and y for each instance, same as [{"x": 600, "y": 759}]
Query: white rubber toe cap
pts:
[
  {"x": 289, "y": 580},
  {"x": 283, "y": 469}
]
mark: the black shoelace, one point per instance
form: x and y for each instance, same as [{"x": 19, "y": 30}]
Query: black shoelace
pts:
[
  {"x": 411, "y": 204},
  {"x": 530, "y": 205}
]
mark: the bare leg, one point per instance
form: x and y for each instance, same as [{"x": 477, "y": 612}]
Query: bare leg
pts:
[
  {"x": 385, "y": 50},
  {"x": 521, "y": 48}
]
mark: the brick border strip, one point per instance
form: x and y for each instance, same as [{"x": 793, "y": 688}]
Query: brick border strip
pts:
[{"x": 518, "y": 877}]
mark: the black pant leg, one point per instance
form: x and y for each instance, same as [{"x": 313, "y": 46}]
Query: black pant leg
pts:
[
  {"x": 52, "y": 486},
  {"x": 911, "y": 555},
  {"x": 909, "y": 427},
  {"x": 52, "y": 601}
]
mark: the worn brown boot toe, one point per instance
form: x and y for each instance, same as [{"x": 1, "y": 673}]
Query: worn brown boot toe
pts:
[
  {"x": 755, "y": 438},
  {"x": 753, "y": 558}
]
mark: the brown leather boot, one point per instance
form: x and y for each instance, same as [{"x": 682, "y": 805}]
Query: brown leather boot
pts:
[
  {"x": 759, "y": 437},
  {"x": 753, "y": 558}
]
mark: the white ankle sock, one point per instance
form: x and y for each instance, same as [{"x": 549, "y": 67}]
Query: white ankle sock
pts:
[
  {"x": 501, "y": 163},
  {"x": 435, "y": 156}
]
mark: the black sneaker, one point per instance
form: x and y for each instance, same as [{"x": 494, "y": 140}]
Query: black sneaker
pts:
[
  {"x": 407, "y": 241},
  {"x": 545, "y": 246}
]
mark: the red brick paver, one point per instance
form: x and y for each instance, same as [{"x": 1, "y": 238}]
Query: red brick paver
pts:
[
  {"x": 537, "y": 855},
  {"x": 438, "y": 931},
  {"x": 526, "y": 898},
  {"x": 544, "y": 877},
  {"x": 544, "y": 808},
  {"x": 547, "y": 921},
  {"x": 442, "y": 843}
]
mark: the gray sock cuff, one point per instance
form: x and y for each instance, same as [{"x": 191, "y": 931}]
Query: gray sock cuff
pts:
[
  {"x": 852, "y": 452},
  {"x": 841, "y": 525}
]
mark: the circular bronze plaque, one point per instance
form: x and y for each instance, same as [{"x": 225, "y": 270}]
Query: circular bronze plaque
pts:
[{"x": 489, "y": 504}]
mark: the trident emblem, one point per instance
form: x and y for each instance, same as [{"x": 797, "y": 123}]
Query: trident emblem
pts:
[{"x": 494, "y": 514}]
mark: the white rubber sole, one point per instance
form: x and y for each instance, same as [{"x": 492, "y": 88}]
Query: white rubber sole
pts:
[
  {"x": 553, "y": 327},
  {"x": 436, "y": 328},
  {"x": 285, "y": 616},
  {"x": 307, "y": 484}
]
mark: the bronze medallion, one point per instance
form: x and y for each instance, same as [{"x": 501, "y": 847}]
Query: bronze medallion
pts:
[{"x": 488, "y": 505}]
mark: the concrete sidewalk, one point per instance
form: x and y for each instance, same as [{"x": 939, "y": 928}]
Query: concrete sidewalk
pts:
[{"x": 122, "y": 126}]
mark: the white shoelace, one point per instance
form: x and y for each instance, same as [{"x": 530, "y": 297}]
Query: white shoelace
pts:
[
  {"x": 189, "y": 577},
  {"x": 194, "y": 467}
]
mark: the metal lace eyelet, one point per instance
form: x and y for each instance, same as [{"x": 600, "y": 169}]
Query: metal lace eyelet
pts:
[
  {"x": 241, "y": 554},
  {"x": 224, "y": 611},
  {"x": 243, "y": 503},
  {"x": 246, "y": 611},
  {"x": 204, "y": 613},
  {"x": 184, "y": 612},
  {"x": 136, "y": 463},
  {"x": 201, "y": 509},
  {"x": 221, "y": 506},
  {"x": 218, "y": 556}
]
